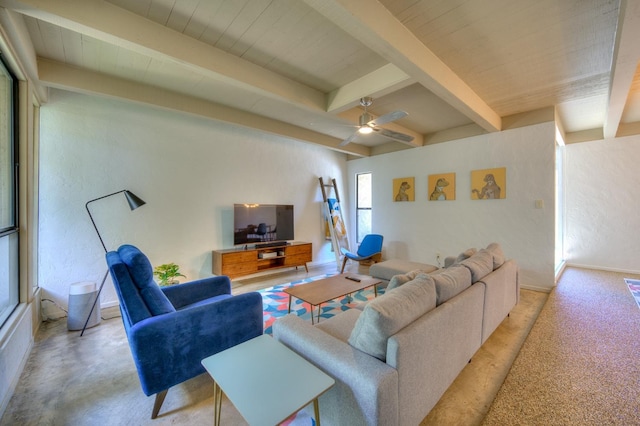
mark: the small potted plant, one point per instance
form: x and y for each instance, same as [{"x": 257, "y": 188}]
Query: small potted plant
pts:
[{"x": 167, "y": 274}]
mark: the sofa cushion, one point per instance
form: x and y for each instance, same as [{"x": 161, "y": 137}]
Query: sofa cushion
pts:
[
  {"x": 340, "y": 326},
  {"x": 141, "y": 273},
  {"x": 480, "y": 264},
  {"x": 398, "y": 280},
  {"x": 497, "y": 253},
  {"x": 466, "y": 254},
  {"x": 451, "y": 282},
  {"x": 386, "y": 315},
  {"x": 387, "y": 269}
]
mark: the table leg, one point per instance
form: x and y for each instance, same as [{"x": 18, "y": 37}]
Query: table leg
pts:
[
  {"x": 217, "y": 403},
  {"x": 316, "y": 411},
  {"x": 375, "y": 290},
  {"x": 289, "y": 305},
  {"x": 311, "y": 310}
]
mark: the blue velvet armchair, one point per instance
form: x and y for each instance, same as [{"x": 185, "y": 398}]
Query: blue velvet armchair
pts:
[{"x": 172, "y": 329}]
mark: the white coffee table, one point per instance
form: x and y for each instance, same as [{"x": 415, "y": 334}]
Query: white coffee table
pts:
[{"x": 265, "y": 380}]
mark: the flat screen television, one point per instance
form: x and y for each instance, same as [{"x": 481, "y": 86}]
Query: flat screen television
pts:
[{"x": 262, "y": 223}]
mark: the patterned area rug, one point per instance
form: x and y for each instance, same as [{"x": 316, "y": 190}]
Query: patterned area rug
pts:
[
  {"x": 276, "y": 302},
  {"x": 634, "y": 288}
]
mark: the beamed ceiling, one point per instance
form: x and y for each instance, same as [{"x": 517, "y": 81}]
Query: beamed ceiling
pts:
[{"x": 299, "y": 68}]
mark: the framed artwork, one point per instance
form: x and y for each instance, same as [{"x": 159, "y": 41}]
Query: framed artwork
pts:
[
  {"x": 489, "y": 184},
  {"x": 442, "y": 187},
  {"x": 403, "y": 189}
]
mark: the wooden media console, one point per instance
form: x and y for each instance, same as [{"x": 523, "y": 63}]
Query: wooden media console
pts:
[{"x": 237, "y": 262}]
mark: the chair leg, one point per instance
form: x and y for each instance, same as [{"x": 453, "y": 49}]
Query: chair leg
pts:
[
  {"x": 158, "y": 403},
  {"x": 344, "y": 262}
]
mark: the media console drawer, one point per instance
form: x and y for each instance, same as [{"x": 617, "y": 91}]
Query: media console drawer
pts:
[{"x": 238, "y": 262}]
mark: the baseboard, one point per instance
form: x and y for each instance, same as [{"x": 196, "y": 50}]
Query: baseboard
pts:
[
  {"x": 604, "y": 268},
  {"x": 535, "y": 288}
]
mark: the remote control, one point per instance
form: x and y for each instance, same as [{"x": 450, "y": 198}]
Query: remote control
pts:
[{"x": 353, "y": 279}]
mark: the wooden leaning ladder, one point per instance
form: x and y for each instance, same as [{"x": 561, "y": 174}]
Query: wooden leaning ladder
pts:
[{"x": 334, "y": 222}]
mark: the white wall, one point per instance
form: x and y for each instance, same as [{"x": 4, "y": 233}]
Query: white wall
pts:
[
  {"x": 418, "y": 230},
  {"x": 189, "y": 170},
  {"x": 602, "y": 201}
]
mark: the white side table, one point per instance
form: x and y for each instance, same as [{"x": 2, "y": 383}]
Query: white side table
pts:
[{"x": 265, "y": 380}]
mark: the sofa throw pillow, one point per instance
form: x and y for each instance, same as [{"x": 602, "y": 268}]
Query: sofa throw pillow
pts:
[
  {"x": 451, "y": 282},
  {"x": 387, "y": 314},
  {"x": 466, "y": 254},
  {"x": 398, "y": 280},
  {"x": 497, "y": 253},
  {"x": 480, "y": 264}
]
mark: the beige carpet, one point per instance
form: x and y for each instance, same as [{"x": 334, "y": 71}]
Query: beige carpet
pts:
[{"x": 580, "y": 364}]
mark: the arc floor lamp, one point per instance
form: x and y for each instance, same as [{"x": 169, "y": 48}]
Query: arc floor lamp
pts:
[{"x": 134, "y": 202}]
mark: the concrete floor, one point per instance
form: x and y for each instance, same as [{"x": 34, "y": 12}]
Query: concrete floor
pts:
[{"x": 90, "y": 380}]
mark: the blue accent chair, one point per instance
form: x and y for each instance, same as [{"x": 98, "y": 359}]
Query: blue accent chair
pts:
[
  {"x": 172, "y": 329},
  {"x": 370, "y": 248}
]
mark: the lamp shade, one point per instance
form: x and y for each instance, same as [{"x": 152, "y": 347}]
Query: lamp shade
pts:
[{"x": 133, "y": 200}]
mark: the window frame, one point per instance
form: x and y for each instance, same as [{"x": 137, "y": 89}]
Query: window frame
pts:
[
  {"x": 360, "y": 209},
  {"x": 12, "y": 230}
]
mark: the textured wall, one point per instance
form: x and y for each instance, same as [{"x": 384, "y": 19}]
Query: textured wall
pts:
[
  {"x": 602, "y": 201},
  {"x": 418, "y": 230},
  {"x": 190, "y": 171}
]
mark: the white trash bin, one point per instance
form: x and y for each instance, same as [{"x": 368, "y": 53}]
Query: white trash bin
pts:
[{"x": 81, "y": 298}]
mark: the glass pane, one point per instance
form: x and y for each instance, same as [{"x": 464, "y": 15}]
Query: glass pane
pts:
[
  {"x": 363, "y": 205},
  {"x": 8, "y": 275},
  {"x": 6, "y": 151},
  {"x": 363, "y": 223},
  {"x": 364, "y": 191}
]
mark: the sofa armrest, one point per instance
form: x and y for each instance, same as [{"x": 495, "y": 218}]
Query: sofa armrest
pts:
[
  {"x": 168, "y": 349},
  {"x": 366, "y": 389},
  {"x": 194, "y": 291}
]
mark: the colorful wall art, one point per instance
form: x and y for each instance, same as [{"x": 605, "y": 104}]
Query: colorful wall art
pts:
[
  {"x": 489, "y": 184},
  {"x": 442, "y": 187},
  {"x": 403, "y": 189}
]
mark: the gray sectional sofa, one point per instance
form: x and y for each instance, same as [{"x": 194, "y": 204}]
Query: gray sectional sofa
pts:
[{"x": 394, "y": 358}]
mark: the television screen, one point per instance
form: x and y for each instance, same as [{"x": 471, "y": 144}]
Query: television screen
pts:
[{"x": 261, "y": 223}]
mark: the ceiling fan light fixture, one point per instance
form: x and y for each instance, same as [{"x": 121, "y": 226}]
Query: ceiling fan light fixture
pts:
[{"x": 365, "y": 130}]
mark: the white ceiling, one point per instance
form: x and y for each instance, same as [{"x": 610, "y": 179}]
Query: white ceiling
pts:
[{"x": 298, "y": 68}]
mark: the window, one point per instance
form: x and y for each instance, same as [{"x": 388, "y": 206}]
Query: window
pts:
[
  {"x": 9, "y": 284},
  {"x": 363, "y": 205}
]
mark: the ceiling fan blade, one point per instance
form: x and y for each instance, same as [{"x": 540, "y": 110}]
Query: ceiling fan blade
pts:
[
  {"x": 348, "y": 140},
  {"x": 400, "y": 137},
  {"x": 387, "y": 118}
]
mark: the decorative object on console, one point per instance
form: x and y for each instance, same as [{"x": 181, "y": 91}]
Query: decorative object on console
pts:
[
  {"x": 442, "y": 187},
  {"x": 167, "y": 274},
  {"x": 489, "y": 184},
  {"x": 134, "y": 202}
]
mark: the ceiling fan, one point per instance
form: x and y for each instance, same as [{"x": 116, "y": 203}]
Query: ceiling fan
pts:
[{"x": 367, "y": 124}]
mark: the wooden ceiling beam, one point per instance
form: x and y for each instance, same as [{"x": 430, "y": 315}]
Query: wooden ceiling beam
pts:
[
  {"x": 626, "y": 55},
  {"x": 58, "y": 75},
  {"x": 109, "y": 23},
  {"x": 372, "y": 24},
  {"x": 378, "y": 83}
]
